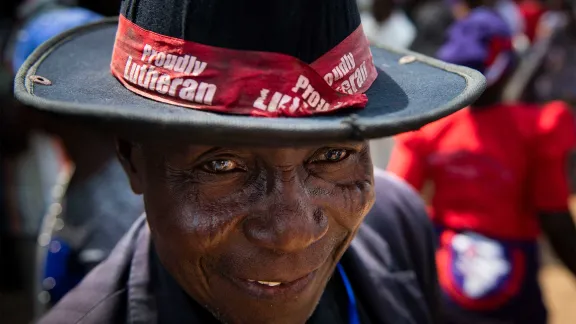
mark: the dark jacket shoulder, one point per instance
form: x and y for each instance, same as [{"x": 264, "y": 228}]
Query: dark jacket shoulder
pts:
[
  {"x": 398, "y": 236},
  {"x": 101, "y": 297}
]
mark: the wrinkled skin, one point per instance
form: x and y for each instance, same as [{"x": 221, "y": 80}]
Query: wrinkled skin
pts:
[{"x": 221, "y": 215}]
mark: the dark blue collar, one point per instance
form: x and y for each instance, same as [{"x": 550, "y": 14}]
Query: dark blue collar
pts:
[{"x": 353, "y": 316}]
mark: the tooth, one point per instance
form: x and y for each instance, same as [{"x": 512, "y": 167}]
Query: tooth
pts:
[{"x": 271, "y": 284}]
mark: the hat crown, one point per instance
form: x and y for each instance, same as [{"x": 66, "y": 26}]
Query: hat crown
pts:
[{"x": 305, "y": 29}]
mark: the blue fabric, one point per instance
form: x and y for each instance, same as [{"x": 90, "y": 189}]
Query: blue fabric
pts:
[
  {"x": 45, "y": 26},
  {"x": 354, "y": 318},
  {"x": 469, "y": 40},
  {"x": 58, "y": 267}
]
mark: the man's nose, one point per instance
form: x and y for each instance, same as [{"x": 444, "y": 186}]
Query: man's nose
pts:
[{"x": 287, "y": 220}]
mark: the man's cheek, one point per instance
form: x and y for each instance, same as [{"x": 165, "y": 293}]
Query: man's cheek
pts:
[
  {"x": 168, "y": 217},
  {"x": 200, "y": 229},
  {"x": 353, "y": 202},
  {"x": 368, "y": 196}
]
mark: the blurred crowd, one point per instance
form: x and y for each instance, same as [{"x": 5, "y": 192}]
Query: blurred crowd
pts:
[{"x": 62, "y": 188}]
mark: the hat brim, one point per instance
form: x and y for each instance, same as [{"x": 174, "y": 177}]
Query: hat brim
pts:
[{"x": 404, "y": 97}]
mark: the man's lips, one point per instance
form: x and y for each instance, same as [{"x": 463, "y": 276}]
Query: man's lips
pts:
[
  {"x": 267, "y": 283},
  {"x": 283, "y": 277},
  {"x": 271, "y": 289}
]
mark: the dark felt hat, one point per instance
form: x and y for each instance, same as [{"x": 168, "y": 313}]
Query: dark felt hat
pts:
[{"x": 248, "y": 45}]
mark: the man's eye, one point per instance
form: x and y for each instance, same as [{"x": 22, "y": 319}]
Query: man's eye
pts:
[
  {"x": 332, "y": 156},
  {"x": 220, "y": 166}
]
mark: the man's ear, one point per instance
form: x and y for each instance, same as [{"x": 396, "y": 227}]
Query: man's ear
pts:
[{"x": 132, "y": 160}]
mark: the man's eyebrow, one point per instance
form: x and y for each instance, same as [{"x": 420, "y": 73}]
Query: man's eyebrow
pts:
[
  {"x": 217, "y": 149},
  {"x": 210, "y": 151},
  {"x": 193, "y": 154},
  {"x": 348, "y": 144}
]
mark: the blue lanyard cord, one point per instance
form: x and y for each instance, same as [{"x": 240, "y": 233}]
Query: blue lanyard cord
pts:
[{"x": 354, "y": 318}]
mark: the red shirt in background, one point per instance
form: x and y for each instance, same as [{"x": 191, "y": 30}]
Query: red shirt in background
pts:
[{"x": 493, "y": 168}]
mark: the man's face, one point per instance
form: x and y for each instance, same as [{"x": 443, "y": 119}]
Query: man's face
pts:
[{"x": 253, "y": 234}]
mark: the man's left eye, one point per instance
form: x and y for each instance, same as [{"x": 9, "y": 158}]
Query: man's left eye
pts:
[{"x": 332, "y": 155}]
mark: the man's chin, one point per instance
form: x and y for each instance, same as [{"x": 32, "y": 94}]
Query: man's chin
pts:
[
  {"x": 294, "y": 305},
  {"x": 268, "y": 314}
]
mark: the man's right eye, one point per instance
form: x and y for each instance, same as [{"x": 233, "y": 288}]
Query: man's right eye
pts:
[{"x": 220, "y": 166}]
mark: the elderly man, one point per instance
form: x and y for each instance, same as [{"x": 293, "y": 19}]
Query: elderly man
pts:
[{"x": 244, "y": 125}]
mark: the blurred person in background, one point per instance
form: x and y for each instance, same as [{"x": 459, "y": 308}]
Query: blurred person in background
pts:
[
  {"x": 80, "y": 234},
  {"x": 548, "y": 70},
  {"x": 34, "y": 159},
  {"x": 386, "y": 24},
  {"x": 507, "y": 9},
  {"x": 7, "y": 246},
  {"x": 107, "y": 8},
  {"x": 432, "y": 19},
  {"x": 557, "y": 15},
  {"x": 510, "y": 12},
  {"x": 556, "y": 76},
  {"x": 531, "y": 11},
  {"x": 499, "y": 178}
]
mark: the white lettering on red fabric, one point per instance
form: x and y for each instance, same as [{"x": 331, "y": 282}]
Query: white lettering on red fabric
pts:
[
  {"x": 198, "y": 76},
  {"x": 353, "y": 79},
  {"x": 279, "y": 101},
  {"x": 312, "y": 97},
  {"x": 144, "y": 74},
  {"x": 346, "y": 64}
]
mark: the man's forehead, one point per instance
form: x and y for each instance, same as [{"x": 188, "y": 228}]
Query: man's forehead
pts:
[
  {"x": 193, "y": 146},
  {"x": 193, "y": 149}
]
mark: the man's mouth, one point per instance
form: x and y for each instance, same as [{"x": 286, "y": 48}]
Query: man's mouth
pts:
[
  {"x": 269, "y": 289},
  {"x": 266, "y": 283}
]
